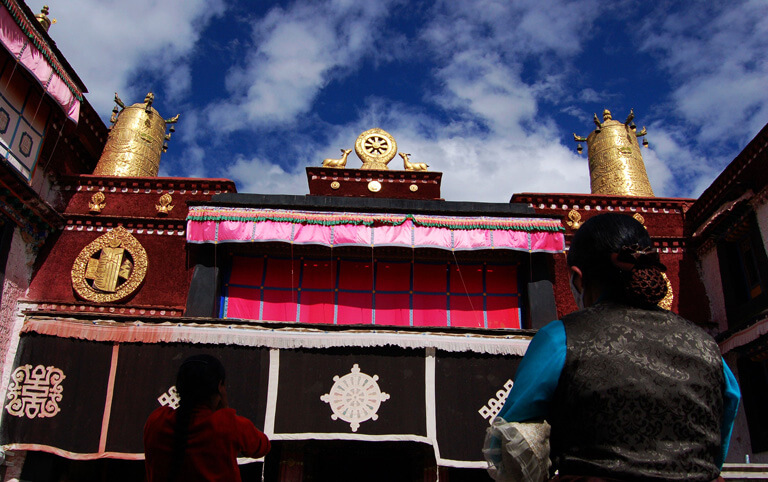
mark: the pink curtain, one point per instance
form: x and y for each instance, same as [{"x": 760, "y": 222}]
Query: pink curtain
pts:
[{"x": 20, "y": 46}]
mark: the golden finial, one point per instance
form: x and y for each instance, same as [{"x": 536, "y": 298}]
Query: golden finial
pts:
[
  {"x": 43, "y": 18},
  {"x": 616, "y": 166},
  {"x": 136, "y": 140}
]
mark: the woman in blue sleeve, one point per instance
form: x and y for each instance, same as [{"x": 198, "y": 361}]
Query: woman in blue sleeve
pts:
[{"x": 632, "y": 391}]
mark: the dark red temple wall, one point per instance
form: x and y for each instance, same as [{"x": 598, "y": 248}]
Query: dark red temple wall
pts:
[
  {"x": 688, "y": 295},
  {"x": 563, "y": 296},
  {"x": 134, "y": 204},
  {"x": 666, "y": 228},
  {"x": 165, "y": 285}
]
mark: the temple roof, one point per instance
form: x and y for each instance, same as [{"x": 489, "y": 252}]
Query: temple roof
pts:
[{"x": 285, "y": 201}]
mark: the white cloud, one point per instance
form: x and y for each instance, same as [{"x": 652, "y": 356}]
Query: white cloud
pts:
[
  {"x": 257, "y": 175},
  {"x": 717, "y": 61},
  {"x": 476, "y": 166},
  {"x": 108, "y": 42},
  {"x": 296, "y": 52}
]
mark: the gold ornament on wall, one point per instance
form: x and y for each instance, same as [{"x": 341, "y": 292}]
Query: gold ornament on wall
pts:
[
  {"x": 573, "y": 220},
  {"x": 640, "y": 219},
  {"x": 97, "y": 202},
  {"x": 666, "y": 302},
  {"x": 165, "y": 205},
  {"x": 110, "y": 268},
  {"x": 375, "y": 147}
]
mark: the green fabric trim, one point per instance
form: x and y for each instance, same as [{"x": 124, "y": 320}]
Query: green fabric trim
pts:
[{"x": 489, "y": 225}]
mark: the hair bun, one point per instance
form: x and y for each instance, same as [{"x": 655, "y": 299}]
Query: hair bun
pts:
[{"x": 646, "y": 285}]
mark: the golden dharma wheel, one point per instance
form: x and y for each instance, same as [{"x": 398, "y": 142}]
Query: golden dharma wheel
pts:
[{"x": 375, "y": 147}]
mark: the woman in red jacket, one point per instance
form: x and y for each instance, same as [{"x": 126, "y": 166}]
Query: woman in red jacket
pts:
[{"x": 200, "y": 440}]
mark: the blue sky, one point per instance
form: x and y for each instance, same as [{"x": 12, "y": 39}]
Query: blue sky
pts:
[{"x": 486, "y": 92}]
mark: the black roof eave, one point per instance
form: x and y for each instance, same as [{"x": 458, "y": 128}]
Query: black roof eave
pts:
[{"x": 360, "y": 204}]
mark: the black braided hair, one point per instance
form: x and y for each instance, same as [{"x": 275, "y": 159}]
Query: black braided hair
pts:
[
  {"x": 615, "y": 251},
  {"x": 197, "y": 380}
]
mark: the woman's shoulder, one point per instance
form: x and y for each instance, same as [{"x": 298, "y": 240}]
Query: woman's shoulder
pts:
[
  {"x": 161, "y": 412},
  {"x": 160, "y": 417}
]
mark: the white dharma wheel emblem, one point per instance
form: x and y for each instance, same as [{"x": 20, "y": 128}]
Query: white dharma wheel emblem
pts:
[{"x": 355, "y": 397}]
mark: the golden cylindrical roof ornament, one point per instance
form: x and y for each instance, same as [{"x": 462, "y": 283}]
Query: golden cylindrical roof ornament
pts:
[
  {"x": 136, "y": 140},
  {"x": 616, "y": 165}
]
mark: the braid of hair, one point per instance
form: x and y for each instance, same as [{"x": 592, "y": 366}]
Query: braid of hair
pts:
[
  {"x": 180, "y": 436},
  {"x": 198, "y": 379}
]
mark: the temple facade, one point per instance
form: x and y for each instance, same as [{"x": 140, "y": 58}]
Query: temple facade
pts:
[{"x": 370, "y": 328}]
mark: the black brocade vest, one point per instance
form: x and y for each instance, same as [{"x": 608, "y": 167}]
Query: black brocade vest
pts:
[{"x": 640, "y": 397}]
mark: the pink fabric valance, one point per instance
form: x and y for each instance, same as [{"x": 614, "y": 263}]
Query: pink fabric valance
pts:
[
  {"x": 28, "y": 48},
  {"x": 237, "y": 225}
]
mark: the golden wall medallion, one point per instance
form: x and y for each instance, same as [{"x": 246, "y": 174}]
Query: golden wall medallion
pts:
[
  {"x": 574, "y": 219},
  {"x": 110, "y": 268},
  {"x": 375, "y": 147},
  {"x": 97, "y": 202},
  {"x": 164, "y": 206}
]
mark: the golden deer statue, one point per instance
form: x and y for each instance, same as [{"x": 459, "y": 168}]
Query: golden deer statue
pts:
[
  {"x": 338, "y": 163},
  {"x": 412, "y": 166}
]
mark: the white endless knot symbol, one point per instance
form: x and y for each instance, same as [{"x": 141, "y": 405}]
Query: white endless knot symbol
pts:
[
  {"x": 170, "y": 398},
  {"x": 495, "y": 405},
  {"x": 355, "y": 397},
  {"x": 35, "y": 392}
]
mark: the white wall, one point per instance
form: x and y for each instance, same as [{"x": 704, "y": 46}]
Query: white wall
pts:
[{"x": 709, "y": 272}]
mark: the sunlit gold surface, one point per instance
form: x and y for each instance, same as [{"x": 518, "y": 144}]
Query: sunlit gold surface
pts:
[
  {"x": 666, "y": 302},
  {"x": 412, "y": 166},
  {"x": 135, "y": 141},
  {"x": 97, "y": 202},
  {"x": 574, "y": 219},
  {"x": 338, "y": 163},
  {"x": 374, "y": 186},
  {"x": 164, "y": 206},
  {"x": 616, "y": 165},
  {"x": 110, "y": 268},
  {"x": 43, "y": 18},
  {"x": 375, "y": 147}
]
